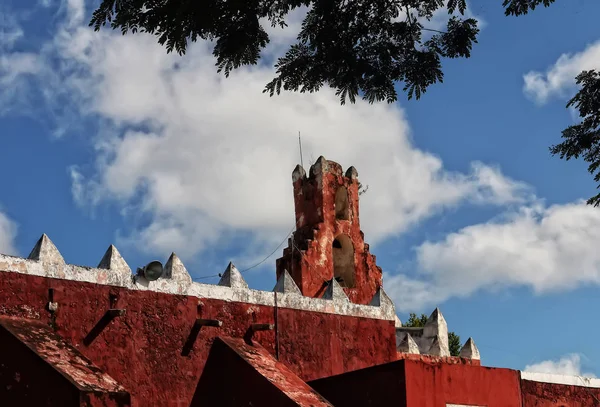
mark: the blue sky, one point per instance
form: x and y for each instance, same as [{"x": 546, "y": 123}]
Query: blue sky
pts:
[{"x": 106, "y": 139}]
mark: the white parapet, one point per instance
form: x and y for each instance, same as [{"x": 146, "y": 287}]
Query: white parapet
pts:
[
  {"x": 45, "y": 260},
  {"x": 567, "y": 380}
]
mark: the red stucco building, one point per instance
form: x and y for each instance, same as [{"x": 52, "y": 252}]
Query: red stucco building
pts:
[{"x": 327, "y": 335}]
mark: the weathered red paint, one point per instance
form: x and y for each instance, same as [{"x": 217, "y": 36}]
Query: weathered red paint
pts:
[
  {"x": 142, "y": 350},
  {"x": 39, "y": 368},
  {"x": 435, "y": 385},
  {"x": 27, "y": 380},
  {"x": 308, "y": 257},
  {"x": 418, "y": 384},
  {"x": 95, "y": 345},
  {"x": 239, "y": 374},
  {"x": 536, "y": 394},
  {"x": 317, "y": 345}
]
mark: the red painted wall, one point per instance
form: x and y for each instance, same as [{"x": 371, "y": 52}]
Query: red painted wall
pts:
[
  {"x": 434, "y": 385},
  {"x": 414, "y": 383},
  {"x": 142, "y": 350},
  {"x": 317, "y": 345},
  {"x": 537, "y": 394}
]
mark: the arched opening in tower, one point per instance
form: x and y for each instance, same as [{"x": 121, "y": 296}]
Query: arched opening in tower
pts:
[
  {"x": 343, "y": 261},
  {"x": 341, "y": 204}
]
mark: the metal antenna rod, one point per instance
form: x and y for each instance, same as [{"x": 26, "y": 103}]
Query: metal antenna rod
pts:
[{"x": 300, "y": 143}]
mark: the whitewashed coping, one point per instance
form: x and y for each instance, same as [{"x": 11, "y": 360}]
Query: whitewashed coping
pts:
[
  {"x": 121, "y": 276},
  {"x": 561, "y": 379}
]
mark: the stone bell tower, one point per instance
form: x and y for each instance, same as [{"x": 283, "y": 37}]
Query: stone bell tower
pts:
[{"x": 328, "y": 243}]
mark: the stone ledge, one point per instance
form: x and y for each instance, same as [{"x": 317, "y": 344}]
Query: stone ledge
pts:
[
  {"x": 561, "y": 379},
  {"x": 432, "y": 359}
]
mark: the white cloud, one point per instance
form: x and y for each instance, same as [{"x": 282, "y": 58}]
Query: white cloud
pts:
[
  {"x": 15, "y": 66},
  {"x": 202, "y": 156},
  {"x": 10, "y": 30},
  {"x": 74, "y": 10},
  {"x": 547, "y": 249},
  {"x": 8, "y": 232},
  {"x": 559, "y": 79},
  {"x": 567, "y": 365}
]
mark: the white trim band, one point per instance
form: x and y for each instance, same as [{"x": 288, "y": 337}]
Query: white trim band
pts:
[{"x": 561, "y": 379}]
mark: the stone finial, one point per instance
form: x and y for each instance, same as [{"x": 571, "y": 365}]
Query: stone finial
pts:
[
  {"x": 352, "y": 173},
  {"x": 175, "y": 270},
  {"x": 46, "y": 252},
  {"x": 113, "y": 260},
  {"x": 469, "y": 350},
  {"x": 436, "y": 327},
  {"x": 383, "y": 301},
  {"x": 439, "y": 347},
  {"x": 286, "y": 284},
  {"x": 335, "y": 292},
  {"x": 233, "y": 278},
  {"x": 320, "y": 166},
  {"x": 298, "y": 173},
  {"x": 408, "y": 345}
]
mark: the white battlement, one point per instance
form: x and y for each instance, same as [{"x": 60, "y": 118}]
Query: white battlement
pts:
[{"x": 46, "y": 261}]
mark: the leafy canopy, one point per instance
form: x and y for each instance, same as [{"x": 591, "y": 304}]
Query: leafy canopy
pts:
[
  {"x": 351, "y": 45},
  {"x": 583, "y": 139},
  {"x": 419, "y": 322},
  {"x": 354, "y": 46}
]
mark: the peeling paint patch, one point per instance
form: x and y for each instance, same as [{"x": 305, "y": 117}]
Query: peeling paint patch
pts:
[
  {"x": 64, "y": 358},
  {"x": 277, "y": 373},
  {"x": 309, "y": 256}
]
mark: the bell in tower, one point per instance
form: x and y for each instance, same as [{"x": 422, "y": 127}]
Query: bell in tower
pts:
[{"x": 328, "y": 243}]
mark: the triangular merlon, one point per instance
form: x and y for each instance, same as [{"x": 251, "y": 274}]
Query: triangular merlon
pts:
[
  {"x": 435, "y": 318},
  {"x": 438, "y": 347},
  {"x": 46, "y": 252},
  {"x": 112, "y": 260},
  {"x": 408, "y": 345},
  {"x": 381, "y": 299},
  {"x": 233, "y": 278},
  {"x": 469, "y": 350},
  {"x": 298, "y": 173},
  {"x": 286, "y": 284},
  {"x": 335, "y": 292},
  {"x": 436, "y": 325},
  {"x": 175, "y": 270}
]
